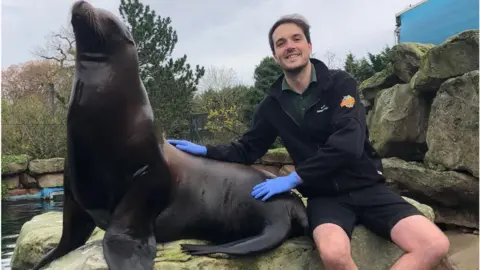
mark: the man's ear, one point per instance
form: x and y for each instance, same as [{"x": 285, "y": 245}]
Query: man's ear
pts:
[{"x": 275, "y": 58}]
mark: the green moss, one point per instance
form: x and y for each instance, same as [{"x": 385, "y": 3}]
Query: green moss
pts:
[
  {"x": 172, "y": 255},
  {"x": 4, "y": 192},
  {"x": 375, "y": 79},
  {"x": 20, "y": 159},
  {"x": 282, "y": 150},
  {"x": 172, "y": 252},
  {"x": 378, "y": 78},
  {"x": 417, "y": 48}
]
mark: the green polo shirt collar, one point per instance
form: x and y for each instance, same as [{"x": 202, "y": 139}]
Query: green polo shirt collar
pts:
[{"x": 313, "y": 78}]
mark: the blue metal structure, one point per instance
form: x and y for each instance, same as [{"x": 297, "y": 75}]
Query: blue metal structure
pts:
[
  {"x": 43, "y": 194},
  {"x": 434, "y": 21}
]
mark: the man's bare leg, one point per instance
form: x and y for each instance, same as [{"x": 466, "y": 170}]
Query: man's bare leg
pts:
[
  {"x": 333, "y": 246},
  {"x": 424, "y": 243}
]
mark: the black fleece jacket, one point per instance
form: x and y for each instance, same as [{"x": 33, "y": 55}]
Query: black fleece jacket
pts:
[{"x": 330, "y": 149}]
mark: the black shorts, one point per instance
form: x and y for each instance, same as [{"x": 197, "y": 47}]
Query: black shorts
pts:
[{"x": 376, "y": 207}]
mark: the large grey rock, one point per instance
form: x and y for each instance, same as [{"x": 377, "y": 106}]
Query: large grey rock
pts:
[
  {"x": 448, "y": 189},
  {"x": 452, "y": 135},
  {"x": 43, "y": 232},
  {"x": 454, "y": 57},
  {"x": 42, "y": 166},
  {"x": 464, "y": 218},
  {"x": 50, "y": 180},
  {"x": 406, "y": 58},
  {"x": 397, "y": 123}
]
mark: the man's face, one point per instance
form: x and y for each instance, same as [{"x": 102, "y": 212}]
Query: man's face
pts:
[{"x": 292, "y": 50}]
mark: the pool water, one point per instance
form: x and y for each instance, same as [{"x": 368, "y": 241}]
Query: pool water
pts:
[{"x": 14, "y": 215}]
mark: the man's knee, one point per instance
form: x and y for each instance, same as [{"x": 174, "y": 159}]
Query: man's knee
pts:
[
  {"x": 436, "y": 246},
  {"x": 333, "y": 244},
  {"x": 417, "y": 234}
]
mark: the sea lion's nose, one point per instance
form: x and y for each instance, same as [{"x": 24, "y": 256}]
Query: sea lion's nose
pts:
[
  {"x": 80, "y": 7},
  {"x": 80, "y": 11}
]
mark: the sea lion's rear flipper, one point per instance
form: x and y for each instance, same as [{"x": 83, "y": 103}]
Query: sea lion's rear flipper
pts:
[{"x": 271, "y": 237}]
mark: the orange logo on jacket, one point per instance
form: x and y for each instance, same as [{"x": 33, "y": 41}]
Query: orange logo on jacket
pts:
[{"x": 347, "y": 101}]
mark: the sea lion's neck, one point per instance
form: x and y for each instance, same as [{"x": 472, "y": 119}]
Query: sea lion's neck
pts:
[{"x": 92, "y": 57}]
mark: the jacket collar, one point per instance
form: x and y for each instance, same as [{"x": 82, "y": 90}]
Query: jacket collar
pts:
[{"x": 322, "y": 74}]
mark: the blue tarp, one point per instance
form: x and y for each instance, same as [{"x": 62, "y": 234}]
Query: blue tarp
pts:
[
  {"x": 42, "y": 194},
  {"x": 436, "y": 20}
]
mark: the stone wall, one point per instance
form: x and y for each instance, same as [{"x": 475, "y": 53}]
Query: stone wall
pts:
[
  {"x": 423, "y": 120},
  {"x": 27, "y": 178}
]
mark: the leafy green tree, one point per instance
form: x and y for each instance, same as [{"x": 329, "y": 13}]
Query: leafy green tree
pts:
[
  {"x": 251, "y": 97},
  {"x": 170, "y": 83},
  {"x": 224, "y": 118},
  {"x": 266, "y": 72}
]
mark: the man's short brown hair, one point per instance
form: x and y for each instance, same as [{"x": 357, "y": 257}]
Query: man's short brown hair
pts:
[{"x": 296, "y": 19}]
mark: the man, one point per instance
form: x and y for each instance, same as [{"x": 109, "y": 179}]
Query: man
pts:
[{"x": 317, "y": 113}]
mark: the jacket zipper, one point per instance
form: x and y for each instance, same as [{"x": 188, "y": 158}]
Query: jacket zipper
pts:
[
  {"x": 286, "y": 111},
  {"x": 298, "y": 124},
  {"x": 313, "y": 104}
]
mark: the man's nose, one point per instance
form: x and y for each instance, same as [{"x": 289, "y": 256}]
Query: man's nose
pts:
[{"x": 290, "y": 45}]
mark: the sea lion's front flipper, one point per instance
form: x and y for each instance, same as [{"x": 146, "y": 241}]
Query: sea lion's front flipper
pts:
[
  {"x": 77, "y": 228},
  {"x": 129, "y": 241}
]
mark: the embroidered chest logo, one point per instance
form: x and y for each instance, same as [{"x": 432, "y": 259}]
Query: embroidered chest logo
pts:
[
  {"x": 322, "y": 109},
  {"x": 347, "y": 101}
]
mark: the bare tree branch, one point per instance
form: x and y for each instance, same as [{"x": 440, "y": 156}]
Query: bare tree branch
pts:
[
  {"x": 59, "y": 47},
  {"x": 218, "y": 78}
]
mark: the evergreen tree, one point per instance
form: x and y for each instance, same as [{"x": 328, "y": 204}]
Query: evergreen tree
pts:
[
  {"x": 362, "y": 69},
  {"x": 266, "y": 73},
  {"x": 350, "y": 64},
  {"x": 170, "y": 83},
  {"x": 380, "y": 61}
]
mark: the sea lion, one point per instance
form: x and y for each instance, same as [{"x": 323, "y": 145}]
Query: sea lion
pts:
[
  {"x": 115, "y": 175},
  {"x": 124, "y": 177},
  {"x": 213, "y": 202}
]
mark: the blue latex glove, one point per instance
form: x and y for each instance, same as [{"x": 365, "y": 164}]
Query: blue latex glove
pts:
[
  {"x": 189, "y": 147},
  {"x": 276, "y": 185}
]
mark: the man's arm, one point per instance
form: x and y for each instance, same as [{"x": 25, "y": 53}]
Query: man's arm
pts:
[
  {"x": 347, "y": 141},
  {"x": 252, "y": 145}
]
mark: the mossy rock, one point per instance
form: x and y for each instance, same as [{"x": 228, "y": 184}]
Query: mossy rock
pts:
[
  {"x": 276, "y": 156},
  {"x": 14, "y": 164},
  {"x": 381, "y": 80},
  {"x": 43, "y": 232},
  {"x": 406, "y": 58},
  {"x": 456, "y": 56}
]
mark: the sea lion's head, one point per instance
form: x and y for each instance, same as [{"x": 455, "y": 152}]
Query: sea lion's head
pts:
[{"x": 98, "y": 33}]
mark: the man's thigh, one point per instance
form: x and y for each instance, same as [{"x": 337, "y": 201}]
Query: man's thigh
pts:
[
  {"x": 380, "y": 209},
  {"x": 335, "y": 210}
]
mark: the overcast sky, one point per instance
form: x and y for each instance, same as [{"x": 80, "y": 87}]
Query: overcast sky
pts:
[{"x": 231, "y": 34}]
